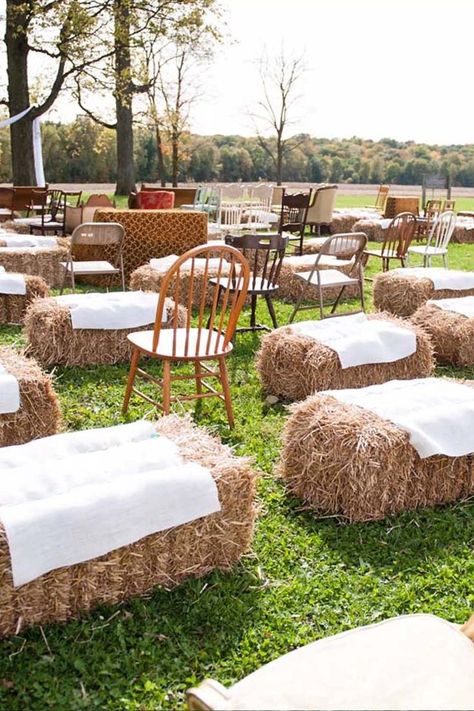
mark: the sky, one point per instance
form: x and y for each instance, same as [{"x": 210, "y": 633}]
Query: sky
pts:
[{"x": 374, "y": 68}]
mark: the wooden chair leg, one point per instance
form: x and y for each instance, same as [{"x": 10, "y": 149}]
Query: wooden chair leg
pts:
[
  {"x": 271, "y": 310},
  {"x": 226, "y": 390},
  {"x": 166, "y": 387},
  {"x": 198, "y": 372},
  {"x": 131, "y": 379}
]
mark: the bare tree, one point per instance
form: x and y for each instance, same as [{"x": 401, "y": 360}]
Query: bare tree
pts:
[{"x": 280, "y": 76}]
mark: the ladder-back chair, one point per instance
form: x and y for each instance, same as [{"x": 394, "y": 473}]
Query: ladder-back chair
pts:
[
  {"x": 210, "y": 339},
  {"x": 397, "y": 240},
  {"x": 108, "y": 236},
  {"x": 294, "y": 215},
  {"x": 347, "y": 247},
  {"x": 265, "y": 256}
]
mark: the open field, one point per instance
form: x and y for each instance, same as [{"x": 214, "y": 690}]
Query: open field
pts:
[{"x": 304, "y": 579}]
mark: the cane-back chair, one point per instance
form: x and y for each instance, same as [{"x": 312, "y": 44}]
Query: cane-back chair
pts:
[
  {"x": 210, "y": 339},
  {"x": 294, "y": 215},
  {"x": 265, "y": 256},
  {"x": 108, "y": 236},
  {"x": 398, "y": 237},
  {"x": 346, "y": 248}
]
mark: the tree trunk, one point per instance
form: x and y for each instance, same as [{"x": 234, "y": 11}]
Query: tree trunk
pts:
[
  {"x": 279, "y": 162},
  {"x": 160, "y": 157},
  {"x": 21, "y": 132},
  {"x": 174, "y": 160},
  {"x": 123, "y": 99}
]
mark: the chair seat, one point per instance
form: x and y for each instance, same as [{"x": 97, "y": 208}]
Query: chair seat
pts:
[
  {"x": 97, "y": 267},
  {"x": 387, "y": 254},
  {"x": 210, "y": 344},
  {"x": 428, "y": 250},
  {"x": 329, "y": 260},
  {"x": 327, "y": 277},
  {"x": 261, "y": 286}
]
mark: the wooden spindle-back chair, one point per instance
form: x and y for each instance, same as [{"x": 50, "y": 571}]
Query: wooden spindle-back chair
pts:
[
  {"x": 397, "y": 240},
  {"x": 211, "y": 336},
  {"x": 294, "y": 215}
]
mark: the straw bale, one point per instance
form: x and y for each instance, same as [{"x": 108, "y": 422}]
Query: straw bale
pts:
[
  {"x": 39, "y": 414},
  {"x": 402, "y": 296},
  {"x": 346, "y": 461},
  {"x": 13, "y": 306},
  {"x": 147, "y": 278},
  {"x": 292, "y": 366},
  {"x": 452, "y": 334},
  {"x": 161, "y": 559},
  {"x": 371, "y": 228},
  {"x": 464, "y": 231},
  {"x": 45, "y": 263},
  {"x": 53, "y": 341},
  {"x": 290, "y": 286},
  {"x": 341, "y": 223}
]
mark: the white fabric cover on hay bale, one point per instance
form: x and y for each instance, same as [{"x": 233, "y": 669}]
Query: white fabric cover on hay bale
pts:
[
  {"x": 45, "y": 263},
  {"x": 290, "y": 286},
  {"x": 347, "y": 461},
  {"x": 14, "y": 306},
  {"x": 162, "y": 559},
  {"x": 452, "y": 334},
  {"x": 39, "y": 414},
  {"x": 414, "y": 662},
  {"x": 53, "y": 341},
  {"x": 402, "y": 296},
  {"x": 293, "y": 366}
]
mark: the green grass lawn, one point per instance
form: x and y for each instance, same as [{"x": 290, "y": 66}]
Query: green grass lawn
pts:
[
  {"x": 462, "y": 203},
  {"x": 305, "y": 577}
]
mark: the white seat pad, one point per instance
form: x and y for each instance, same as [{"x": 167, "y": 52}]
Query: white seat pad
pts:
[
  {"x": 441, "y": 278},
  {"x": 358, "y": 340},
  {"x": 115, "y": 310},
  {"x": 414, "y": 662},
  {"x": 437, "y": 414},
  {"x": 12, "y": 283},
  {"x": 90, "y": 267}
]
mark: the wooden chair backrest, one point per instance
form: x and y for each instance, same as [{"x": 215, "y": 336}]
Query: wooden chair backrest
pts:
[
  {"x": 399, "y": 234},
  {"x": 264, "y": 254},
  {"x": 294, "y": 211},
  {"x": 227, "y": 297},
  {"x": 381, "y": 198},
  {"x": 23, "y": 195},
  {"x": 448, "y": 205}
]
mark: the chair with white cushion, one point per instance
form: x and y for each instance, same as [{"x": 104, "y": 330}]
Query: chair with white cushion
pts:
[
  {"x": 108, "y": 235},
  {"x": 438, "y": 240},
  {"x": 344, "y": 247}
]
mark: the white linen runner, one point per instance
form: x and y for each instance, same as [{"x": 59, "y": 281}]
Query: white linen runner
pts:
[
  {"x": 62, "y": 512},
  {"x": 438, "y": 414},
  {"x": 441, "y": 278},
  {"x": 463, "y": 305},
  {"x": 12, "y": 283},
  {"x": 115, "y": 310},
  {"x": 358, "y": 340},
  {"x": 9, "y": 392},
  {"x": 15, "y": 240}
]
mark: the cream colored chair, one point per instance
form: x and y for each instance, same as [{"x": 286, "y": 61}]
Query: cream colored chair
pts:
[
  {"x": 85, "y": 212},
  {"x": 408, "y": 662},
  {"x": 322, "y": 207}
]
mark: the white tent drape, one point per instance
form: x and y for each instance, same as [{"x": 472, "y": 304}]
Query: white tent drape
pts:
[{"x": 37, "y": 149}]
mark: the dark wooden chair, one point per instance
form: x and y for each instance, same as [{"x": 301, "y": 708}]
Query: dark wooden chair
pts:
[
  {"x": 265, "y": 256},
  {"x": 294, "y": 216},
  {"x": 398, "y": 237},
  {"x": 201, "y": 343}
]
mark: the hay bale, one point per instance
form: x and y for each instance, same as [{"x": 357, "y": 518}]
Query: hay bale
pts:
[
  {"x": 290, "y": 286},
  {"x": 148, "y": 278},
  {"x": 162, "y": 559},
  {"x": 292, "y": 366},
  {"x": 53, "y": 341},
  {"x": 343, "y": 220},
  {"x": 370, "y": 227},
  {"x": 39, "y": 414},
  {"x": 45, "y": 263},
  {"x": 452, "y": 334},
  {"x": 402, "y": 295},
  {"x": 346, "y": 461},
  {"x": 463, "y": 231},
  {"x": 13, "y": 306}
]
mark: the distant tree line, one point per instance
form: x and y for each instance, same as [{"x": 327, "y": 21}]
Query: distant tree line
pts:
[{"x": 85, "y": 151}]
